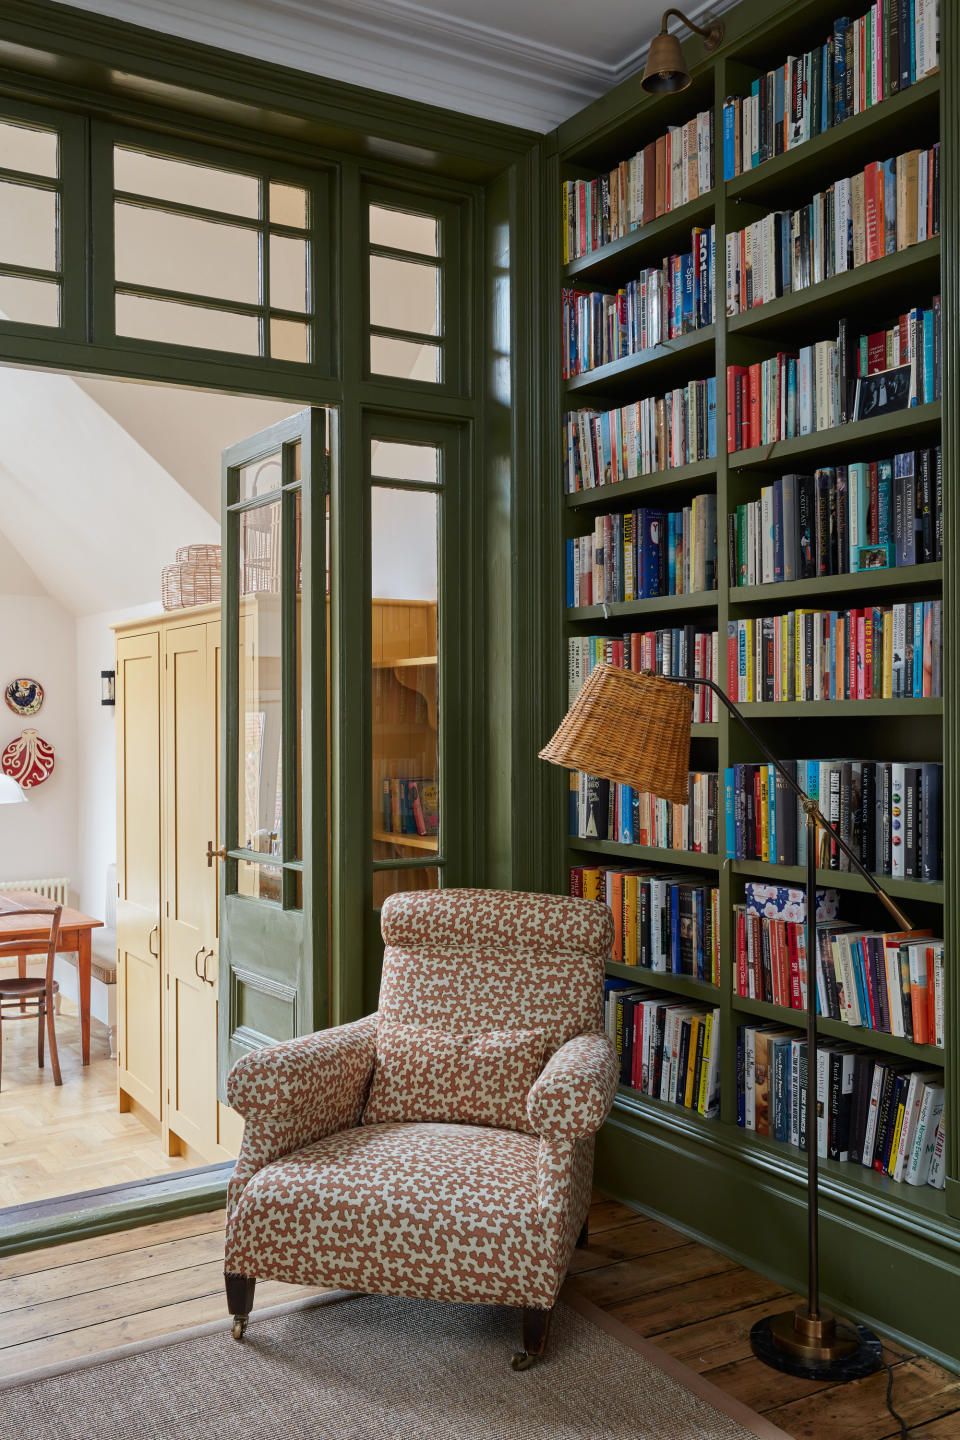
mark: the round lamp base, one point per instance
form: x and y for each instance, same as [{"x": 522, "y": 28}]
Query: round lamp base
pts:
[{"x": 817, "y": 1349}]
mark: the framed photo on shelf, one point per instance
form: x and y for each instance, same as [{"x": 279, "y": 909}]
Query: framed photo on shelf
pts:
[
  {"x": 875, "y": 557},
  {"x": 884, "y": 392}
]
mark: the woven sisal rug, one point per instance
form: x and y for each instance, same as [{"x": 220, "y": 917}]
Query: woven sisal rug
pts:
[{"x": 353, "y": 1367}]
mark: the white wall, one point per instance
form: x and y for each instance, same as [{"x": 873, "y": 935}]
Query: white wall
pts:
[
  {"x": 96, "y": 805},
  {"x": 37, "y": 639}
]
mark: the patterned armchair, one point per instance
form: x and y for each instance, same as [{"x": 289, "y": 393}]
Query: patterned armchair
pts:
[{"x": 485, "y": 1213}]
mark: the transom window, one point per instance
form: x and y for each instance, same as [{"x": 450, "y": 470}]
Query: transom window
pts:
[{"x": 30, "y": 224}]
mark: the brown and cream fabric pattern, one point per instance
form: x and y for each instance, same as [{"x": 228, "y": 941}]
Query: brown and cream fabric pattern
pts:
[{"x": 483, "y": 1212}]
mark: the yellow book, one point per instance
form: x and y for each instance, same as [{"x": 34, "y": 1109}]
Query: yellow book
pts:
[
  {"x": 630, "y": 919},
  {"x": 764, "y": 814},
  {"x": 895, "y": 1146},
  {"x": 591, "y": 882},
  {"x": 705, "y": 1063},
  {"x": 695, "y": 1023},
  {"x": 799, "y": 679}
]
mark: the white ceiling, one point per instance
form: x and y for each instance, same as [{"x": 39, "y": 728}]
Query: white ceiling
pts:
[{"x": 525, "y": 62}]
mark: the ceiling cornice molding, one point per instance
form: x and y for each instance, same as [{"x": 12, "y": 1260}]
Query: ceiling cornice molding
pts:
[{"x": 400, "y": 47}]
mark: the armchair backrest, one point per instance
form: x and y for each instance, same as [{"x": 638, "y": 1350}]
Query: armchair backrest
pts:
[{"x": 495, "y": 959}]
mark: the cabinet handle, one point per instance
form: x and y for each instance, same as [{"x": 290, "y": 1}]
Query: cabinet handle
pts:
[
  {"x": 196, "y": 964},
  {"x": 212, "y": 854},
  {"x": 154, "y": 931},
  {"x": 208, "y": 955}
]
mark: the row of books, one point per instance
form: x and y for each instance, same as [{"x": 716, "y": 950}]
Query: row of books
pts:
[
  {"x": 842, "y": 519},
  {"x": 861, "y": 654},
  {"x": 663, "y": 303},
  {"x": 666, "y": 1048},
  {"x": 888, "y": 206},
  {"x": 860, "y": 63},
  {"x": 667, "y": 923},
  {"x": 603, "y": 810},
  {"x": 410, "y": 805},
  {"x": 878, "y": 1113},
  {"x": 642, "y": 553},
  {"x": 681, "y": 650},
  {"x": 888, "y": 812},
  {"x": 874, "y": 981},
  {"x": 832, "y": 382},
  {"x": 668, "y": 172},
  {"x": 657, "y": 433}
]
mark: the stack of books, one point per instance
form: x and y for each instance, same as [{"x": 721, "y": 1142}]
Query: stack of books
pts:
[
  {"x": 661, "y": 304},
  {"x": 667, "y": 1049},
  {"x": 410, "y": 806},
  {"x": 887, "y": 207},
  {"x": 643, "y": 553},
  {"x": 891, "y": 653},
  {"x": 831, "y": 382},
  {"x": 889, "y": 813},
  {"x": 881, "y": 1114},
  {"x": 682, "y": 650},
  {"x": 667, "y": 923},
  {"x": 860, "y": 63},
  {"x": 603, "y": 810},
  {"x": 669, "y": 172},
  {"x": 841, "y": 520},
  {"x": 658, "y": 433},
  {"x": 889, "y": 982}
]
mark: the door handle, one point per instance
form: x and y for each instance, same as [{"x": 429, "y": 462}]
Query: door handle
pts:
[
  {"x": 154, "y": 931},
  {"x": 208, "y": 955},
  {"x": 212, "y": 854},
  {"x": 196, "y": 964}
]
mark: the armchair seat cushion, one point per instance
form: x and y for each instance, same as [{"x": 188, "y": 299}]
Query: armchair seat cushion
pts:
[{"x": 442, "y": 1212}]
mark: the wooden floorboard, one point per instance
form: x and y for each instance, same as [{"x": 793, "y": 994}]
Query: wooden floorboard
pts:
[{"x": 91, "y": 1295}]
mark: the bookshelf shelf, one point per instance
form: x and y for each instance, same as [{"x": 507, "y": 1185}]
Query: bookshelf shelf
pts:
[
  {"x": 804, "y": 709},
  {"x": 407, "y": 842},
  {"x": 664, "y": 980},
  {"x": 913, "y": 427},
  {"x": 928, "y": 891},
  {"x": 823, "y": 587},
  {"x": 646, "y": 854},
  {"x": 839, "y": 150},
  {"x": 649, "y": 369},
  {"x": 648, "y": 245},
  {"x": 609, "y": 497},
  {"x": 656, "y": 605},
  {"x": 836, "y": 1030},
  {"x": 914, "y": 271}
]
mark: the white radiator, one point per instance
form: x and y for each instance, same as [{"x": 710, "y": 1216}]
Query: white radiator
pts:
[{"x": 55, "y": 888}]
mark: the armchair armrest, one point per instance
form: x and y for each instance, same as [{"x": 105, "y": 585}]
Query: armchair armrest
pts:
[
  {"x": 297, "y": 1092},
  {"x": 572, "y": 1096}
]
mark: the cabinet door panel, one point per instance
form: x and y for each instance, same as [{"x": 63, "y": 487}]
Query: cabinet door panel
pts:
[{"x": 138, "y": 869}]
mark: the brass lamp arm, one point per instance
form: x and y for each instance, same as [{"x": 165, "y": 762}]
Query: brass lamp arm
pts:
[
  {"x": 707, "y": 32},
  {"x": 811, "y": 809}
]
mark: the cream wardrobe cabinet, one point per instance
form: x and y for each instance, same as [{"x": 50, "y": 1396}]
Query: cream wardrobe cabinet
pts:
[{"x": 168, "y": 805}]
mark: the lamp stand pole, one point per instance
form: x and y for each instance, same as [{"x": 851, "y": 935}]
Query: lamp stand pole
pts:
[{"x": 810, "y": 1341}]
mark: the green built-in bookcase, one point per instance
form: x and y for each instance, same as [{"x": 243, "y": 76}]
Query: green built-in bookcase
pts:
[{"x": 890, "y": 1252}]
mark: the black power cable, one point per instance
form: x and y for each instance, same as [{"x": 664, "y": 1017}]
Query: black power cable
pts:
[{"x": 904, "y": 1429}]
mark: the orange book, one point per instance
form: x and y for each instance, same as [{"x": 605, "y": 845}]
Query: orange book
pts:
[
  {"x": 616, "y": 905},
  {"x": 919, "y": 997}
]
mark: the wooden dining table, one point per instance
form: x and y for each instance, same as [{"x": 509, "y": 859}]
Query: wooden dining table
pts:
[{"x": 76, "y": 930}]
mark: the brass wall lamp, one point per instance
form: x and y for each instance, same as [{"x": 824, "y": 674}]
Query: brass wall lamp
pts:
[{"x": 665, "y": 71}]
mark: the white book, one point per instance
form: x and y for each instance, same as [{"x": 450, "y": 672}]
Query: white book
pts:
[
  {"x": 938, "y": 1174},
  {"x": 767, "y": 544},
  {"x": 925, "y": 1136},
  {"x": 870, "y": 1134},
  {"x": 897, "y": 816},
  {"x": 891, "y": 956},
  {"x": 911, "y": 1114},
  {"x": 823, "y": 1102}
]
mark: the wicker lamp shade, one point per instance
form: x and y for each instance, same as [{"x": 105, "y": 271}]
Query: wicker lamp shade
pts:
[{"x": 629, "y": 727}]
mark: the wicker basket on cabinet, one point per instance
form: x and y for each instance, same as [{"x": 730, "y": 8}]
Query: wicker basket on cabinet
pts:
[{"x": 194, "y": 579}]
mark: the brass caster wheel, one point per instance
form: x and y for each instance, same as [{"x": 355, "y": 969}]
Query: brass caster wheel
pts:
[
  {"x": 522, "y": 1360},
  {"x": 239, "y": 1326}
]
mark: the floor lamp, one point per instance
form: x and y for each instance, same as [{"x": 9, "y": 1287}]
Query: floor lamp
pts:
[{"x": 634, "y": 728}]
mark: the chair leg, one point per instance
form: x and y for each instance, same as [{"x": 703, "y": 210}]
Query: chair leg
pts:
[
  {"x": 52, "y": 1038},
  {"x": 583, "y": 1239},
  {"x": 536, "y": 1327},
  {"x": 240, "y": 1290},
  {"x": 41, "y": 1017}
]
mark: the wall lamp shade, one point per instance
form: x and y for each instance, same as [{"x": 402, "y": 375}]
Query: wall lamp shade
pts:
[
  {"x": 629, "y": 727},
  {"x": 10, "y": 792},
  {"x": 666, "y": 70}
]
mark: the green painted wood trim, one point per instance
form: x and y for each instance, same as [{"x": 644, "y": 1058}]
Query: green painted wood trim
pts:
[
  {"x": 623, "y": 258},
  {"x": 126, "y": 1215},
  {"x": 890, "y": 1261},
  {"x": 743, "y": 1006},
  {"x": 908, "y": 426},
  {"x": 658, "y": 482},
  {"x": 648, "y": 369},
  {"x": 822, "y": 587},
  {"x": 679, "y": 984},
  {"x": 705, "y": 600},
  {"x": 838, "y": 709},
  {"x": 644, "y": 854},
  {"x": 929, "y": 891}
]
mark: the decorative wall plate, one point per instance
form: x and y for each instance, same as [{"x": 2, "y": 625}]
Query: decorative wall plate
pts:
[
  {"x": 28, "y": 760},
  {"x": 24, "y": 697}
]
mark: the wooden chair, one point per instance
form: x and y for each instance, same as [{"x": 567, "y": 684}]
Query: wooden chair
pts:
[{"x": 17, "y": 994}]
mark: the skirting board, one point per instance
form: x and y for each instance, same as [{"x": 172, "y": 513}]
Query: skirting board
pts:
[{"x": 872, "y": 1270}]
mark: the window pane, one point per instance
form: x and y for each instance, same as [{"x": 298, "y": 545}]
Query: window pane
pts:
[
  {"x": 28, "y": 226},
  {"x": 24, "y": 148},
  {"x": 186, "y": 184},
  {"x": 31, "y": 302},
  {"x": 289, "y": 341},
  {"x": 404, "y": 295},
  {"x": 406, "y": 797},
  {"x": 261, "y": 882},
  {"x": 261, "y": 774},
  {"x": 260, "y": 478},
  {"x": 392, "y": 882},
  {"x": 288, "y": 205},
  {"x": 288, "y": 273},
  {"x": 143, "y": 318},
  {"x": 397, "y": 460},
  {"x": 403, "y": 231},
  {"x": 405, "y": 359},
  {"x": 179, "y": 252}
]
